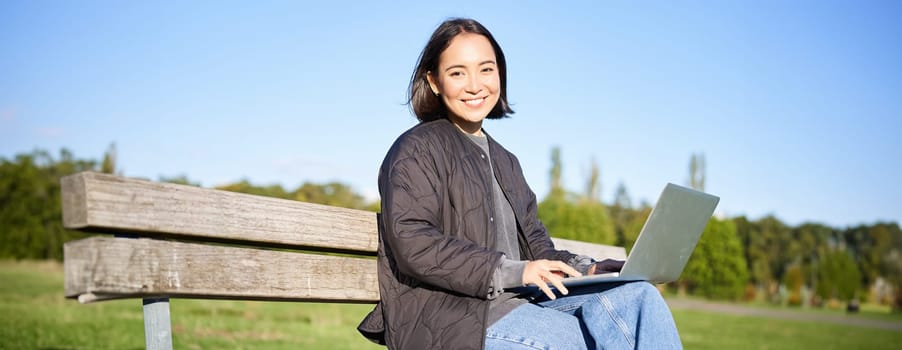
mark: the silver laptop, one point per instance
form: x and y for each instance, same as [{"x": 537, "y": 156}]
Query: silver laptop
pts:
[{"x": 666, "y": 241}]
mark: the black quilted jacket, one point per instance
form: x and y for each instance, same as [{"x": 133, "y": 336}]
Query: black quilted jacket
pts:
[{"x": 436, "y": 256}]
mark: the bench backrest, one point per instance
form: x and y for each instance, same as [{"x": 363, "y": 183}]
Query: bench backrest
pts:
[{"x": 183, "y": 241}]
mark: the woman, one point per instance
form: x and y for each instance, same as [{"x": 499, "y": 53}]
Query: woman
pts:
[{"x": 458, "y": 229}]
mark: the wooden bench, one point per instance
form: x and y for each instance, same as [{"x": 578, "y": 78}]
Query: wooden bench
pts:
[{"x": 177, "y": 241}]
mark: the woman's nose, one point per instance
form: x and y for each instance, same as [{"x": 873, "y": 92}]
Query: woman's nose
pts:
[{"x": 473, "y": 84}]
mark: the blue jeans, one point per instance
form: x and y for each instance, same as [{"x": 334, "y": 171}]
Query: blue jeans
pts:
[{"x": 619, "y": 316}]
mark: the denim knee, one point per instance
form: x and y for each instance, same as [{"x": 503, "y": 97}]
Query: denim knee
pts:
[{"x": 639, "y": 289}]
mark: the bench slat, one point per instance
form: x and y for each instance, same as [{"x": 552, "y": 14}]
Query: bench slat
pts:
[
  {"x": 597, "y": 251},
  {"x": 101, "y": 268},
  {"x": 95, "y": 201},
  {"x": 102, "y": 202}
]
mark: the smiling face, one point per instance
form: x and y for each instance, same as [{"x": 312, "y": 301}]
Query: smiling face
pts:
[{"x": 467, "y": 80}]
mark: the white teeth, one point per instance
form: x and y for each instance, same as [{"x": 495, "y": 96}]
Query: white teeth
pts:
[{"x": 474, "y": 102}]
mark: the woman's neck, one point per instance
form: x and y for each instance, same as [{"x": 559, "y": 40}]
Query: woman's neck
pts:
[{"x": 472, "y": 128}]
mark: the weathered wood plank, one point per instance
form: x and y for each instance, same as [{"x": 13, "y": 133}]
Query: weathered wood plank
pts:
[
  {"x": 100, "y": 268},
  {"x": 102, "y": 202},
  {"x": 73, "y": 197},
  {"x": 597, "y": 251},
  {"x": 113, "y": 203}
]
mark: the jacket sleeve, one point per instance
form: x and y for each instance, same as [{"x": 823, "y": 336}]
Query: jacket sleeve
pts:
[{"x": 412, "y": 196}]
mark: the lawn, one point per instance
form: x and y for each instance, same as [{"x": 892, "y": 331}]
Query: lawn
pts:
[
  {"x": 36, "y": 316},
  {"x": 708, "y": 330}
]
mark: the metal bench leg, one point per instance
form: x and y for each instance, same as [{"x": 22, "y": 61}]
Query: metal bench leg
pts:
[{"x": 157, "y": 327}]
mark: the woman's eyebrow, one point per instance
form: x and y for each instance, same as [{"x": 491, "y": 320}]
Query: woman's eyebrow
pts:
[{"x": 463, "y": 66}]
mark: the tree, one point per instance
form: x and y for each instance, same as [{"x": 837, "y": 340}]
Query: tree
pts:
[
  {"x": 622, "y": 197},
  {"x": 572, "y": 216},
  {"x": 108, "y": 165},
  {"x": 557, "y": 186},
  {"x": 593, "y": 188},
  {"x": 878, "y": 253},
  {"x": 869, "y": 245},
  {"x": 622, "y": 214},
  {"x": 30, "y": 205},
  {"x": 244, "y": 186},
  {"x": 808, "y": 242},
  {"x": 697, "y": 171},
  {"x": 893, "y": 264},
  {"x": 794, "y": 279},
  {"x": 179, "y": 179},
  {"x": 769, "y": 245},
  {"x": 333, "y": 193},
  {"x": 716, "y": 268},
  {"x": 838, "y": 276},
  {"x": 631, "y": 226}
]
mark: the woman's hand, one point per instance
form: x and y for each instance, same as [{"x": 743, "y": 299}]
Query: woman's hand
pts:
[{"x": 542, "y": 272}]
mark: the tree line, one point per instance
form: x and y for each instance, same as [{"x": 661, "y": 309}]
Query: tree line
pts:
[
  {"x": 737, "y": 258},
  {"x": 31, "y": 211}
]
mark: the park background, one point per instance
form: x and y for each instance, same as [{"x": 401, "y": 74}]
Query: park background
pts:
[{"x": 790, "y": 111}]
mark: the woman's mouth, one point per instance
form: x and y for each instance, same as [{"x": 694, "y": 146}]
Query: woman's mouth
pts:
[{"x": 475, "y": 102}]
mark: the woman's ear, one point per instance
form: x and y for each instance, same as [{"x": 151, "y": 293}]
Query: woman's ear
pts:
[{"x": 432, "y": 83}]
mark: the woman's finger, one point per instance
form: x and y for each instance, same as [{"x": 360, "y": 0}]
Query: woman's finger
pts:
[
  {"x": 569, "y": 270},
  {"x": 553, "y": 279},
  {"x": 559, "y": 284},
  {"x": 544, "y": 287}
]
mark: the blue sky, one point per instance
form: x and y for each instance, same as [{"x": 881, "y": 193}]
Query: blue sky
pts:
[{"x": 796, "y": 105}]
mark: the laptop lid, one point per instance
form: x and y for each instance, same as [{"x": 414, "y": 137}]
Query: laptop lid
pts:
[
  {"x": 670, "y": 234},
  {"x": 665, "y": 242}
]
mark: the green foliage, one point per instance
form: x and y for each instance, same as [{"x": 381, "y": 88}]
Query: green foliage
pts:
[
  {"x": 764, "y": 241},
  {"x": 244, "y": 186},
  {"x": 807, "y": 244},
  {"x": 30, "y": 204},
  {"x": 333, "y": 193},
  {"x": 108, "y": 165},
  {"x": 872, "y": 244},
  {"x": 557, "y": 169},
  {"x": 628, "y": 223},
  {"x": 621, "y": 213},
  {"x": 838, "y": 276},
  {"x": 584, "y": 218},
  {"x": 770, "y": 251},
  {"x": 179, "y": 179},
  {"x": 772, "y": 248},
  {"x": 581, "y": 220},
  {"x": 716, "y": 268},
  {"x": 30, "y": 209},
  {"x": 893, "y": 266},
  {"x": 794, "y": 279},
  {"x": 765, "y": 253}
]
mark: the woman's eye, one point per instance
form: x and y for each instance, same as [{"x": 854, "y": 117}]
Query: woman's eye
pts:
[
  {"x": 456, "y": 74},
  {"x": 488, "y": 69}
]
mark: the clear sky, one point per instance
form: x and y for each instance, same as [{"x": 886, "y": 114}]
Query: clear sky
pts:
[{"x": 796, "y": 105}]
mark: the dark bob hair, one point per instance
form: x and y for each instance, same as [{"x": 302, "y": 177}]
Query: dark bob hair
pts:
[{"x": 426, "y": 105}]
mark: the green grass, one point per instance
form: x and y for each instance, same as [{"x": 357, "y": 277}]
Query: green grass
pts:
[
  {"x": 706, "y": 330},
  {"x": 36, "y": 316},
  {"x": 868, "y": 311}
]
